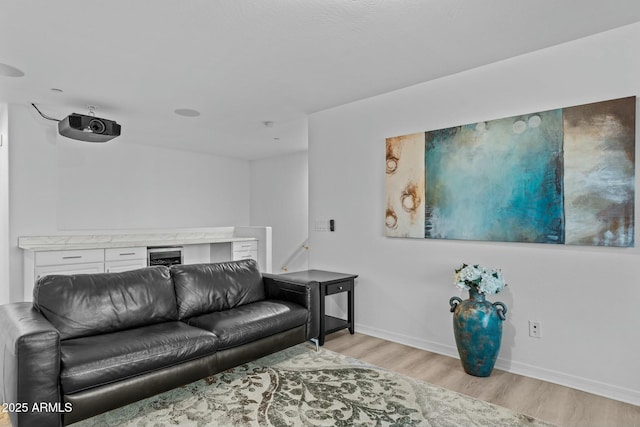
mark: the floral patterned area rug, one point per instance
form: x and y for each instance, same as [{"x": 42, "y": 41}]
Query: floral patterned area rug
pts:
[{"x": 302, "y": 387}]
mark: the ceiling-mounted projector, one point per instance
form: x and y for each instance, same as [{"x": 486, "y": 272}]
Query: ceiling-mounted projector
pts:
[{"x": 88, "y": 128}]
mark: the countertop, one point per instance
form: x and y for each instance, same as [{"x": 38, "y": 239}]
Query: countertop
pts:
[{"x": 103, "y": 241}]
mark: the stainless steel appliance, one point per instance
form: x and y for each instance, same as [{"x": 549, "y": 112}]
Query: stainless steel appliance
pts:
[{"x": 164, "y": 255}]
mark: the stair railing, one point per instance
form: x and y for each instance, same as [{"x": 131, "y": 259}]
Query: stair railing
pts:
[{"x": 299, "y": 250}]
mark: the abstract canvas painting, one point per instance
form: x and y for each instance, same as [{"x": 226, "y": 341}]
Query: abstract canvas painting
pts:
[{"x": 563, "y": 176}]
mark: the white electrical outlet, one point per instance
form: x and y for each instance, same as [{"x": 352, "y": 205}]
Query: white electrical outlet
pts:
[
  {"x": 321, "y": 225},
  {"x": 534, "y": 329}
]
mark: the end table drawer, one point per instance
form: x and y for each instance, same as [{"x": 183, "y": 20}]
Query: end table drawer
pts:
[{"x": 338, "y": 287}]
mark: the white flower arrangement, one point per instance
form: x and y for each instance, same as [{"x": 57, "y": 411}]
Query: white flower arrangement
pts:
[{"x": 481, "y": 279}]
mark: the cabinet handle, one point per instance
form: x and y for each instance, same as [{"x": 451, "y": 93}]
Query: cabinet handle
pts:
[
  {"x": 72, "y": 257},
  {"x": 128, "y": 253}
]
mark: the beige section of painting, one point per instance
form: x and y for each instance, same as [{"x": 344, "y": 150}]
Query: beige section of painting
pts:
[{"x": 405, "y": 184}]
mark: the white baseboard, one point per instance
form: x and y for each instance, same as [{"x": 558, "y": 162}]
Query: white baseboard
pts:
[{"x": 585, "y": 384}]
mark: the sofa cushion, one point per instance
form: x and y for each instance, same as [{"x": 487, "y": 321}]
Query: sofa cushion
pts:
[
  {"x": 89, "y": 304},
  {"x": 250, "y": 322},
  {"x": 204, "y": 288},
  {"x": 102, "y": 359}
]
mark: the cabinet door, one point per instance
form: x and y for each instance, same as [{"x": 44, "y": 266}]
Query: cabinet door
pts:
[
  {"x": 119, "y": 266},
  {"x": 90, "y": 267}
]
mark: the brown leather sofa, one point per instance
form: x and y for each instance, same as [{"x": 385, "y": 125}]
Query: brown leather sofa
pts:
[{"x": 93, "y": 342}]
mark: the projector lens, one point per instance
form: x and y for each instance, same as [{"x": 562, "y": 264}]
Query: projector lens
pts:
[{"x": 97, "y": 126}]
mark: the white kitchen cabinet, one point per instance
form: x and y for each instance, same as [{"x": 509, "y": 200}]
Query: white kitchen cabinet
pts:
[
  {"x": 234, "y": 251},
  {"x": 120, "y": 266},
  {"x": 125, "y": 254},
  {"x": 110, "y": 252},
  {"x": 117, "y": 260},
  {"x": 244, "y": 250},
  {"x": 80, "y": 261},
  {"x": 41, "y": 263},
  {"x": 85, "y": 268}
]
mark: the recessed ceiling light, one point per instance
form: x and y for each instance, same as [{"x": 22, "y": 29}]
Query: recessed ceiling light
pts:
[
  {"x": 9, "y": 71},
  {"x": 187, "y": 112}
]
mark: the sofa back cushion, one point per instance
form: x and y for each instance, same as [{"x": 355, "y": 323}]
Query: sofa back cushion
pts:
[
  {"x": 205, "y": 288},
  {"x": 89, "y": 304}
]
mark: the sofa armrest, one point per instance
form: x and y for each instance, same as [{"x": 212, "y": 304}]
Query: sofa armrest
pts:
[
  {"x": 304, "y": 293},
  {"x": 30, "y": 370}
]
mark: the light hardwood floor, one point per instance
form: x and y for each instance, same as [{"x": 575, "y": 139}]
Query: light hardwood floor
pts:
[
  {"x": 562, "y": 406},
  {"x": 559, "y": 405}
]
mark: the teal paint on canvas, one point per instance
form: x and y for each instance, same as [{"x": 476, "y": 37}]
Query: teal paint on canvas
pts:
[{"x": 499, "y": 180}]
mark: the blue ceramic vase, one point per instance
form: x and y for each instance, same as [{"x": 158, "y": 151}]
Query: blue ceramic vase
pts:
[{"x": 477, "y": 325}]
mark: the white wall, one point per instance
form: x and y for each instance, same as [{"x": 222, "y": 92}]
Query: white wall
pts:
[
  {"x": 584, "y": 297},
  {"x": 59, "y": 185},
  {"x": 279, "y": 198},
  {"x": 4, "y": 204}
]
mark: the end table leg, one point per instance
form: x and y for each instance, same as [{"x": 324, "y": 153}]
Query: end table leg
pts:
[{"x": 351, "y": 298}]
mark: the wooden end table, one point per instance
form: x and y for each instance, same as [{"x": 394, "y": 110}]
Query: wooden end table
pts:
[{"x": 330, "y": 283}]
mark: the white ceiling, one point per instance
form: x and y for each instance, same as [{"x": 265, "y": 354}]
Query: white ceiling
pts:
[{"x": 243, "y": 62}]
